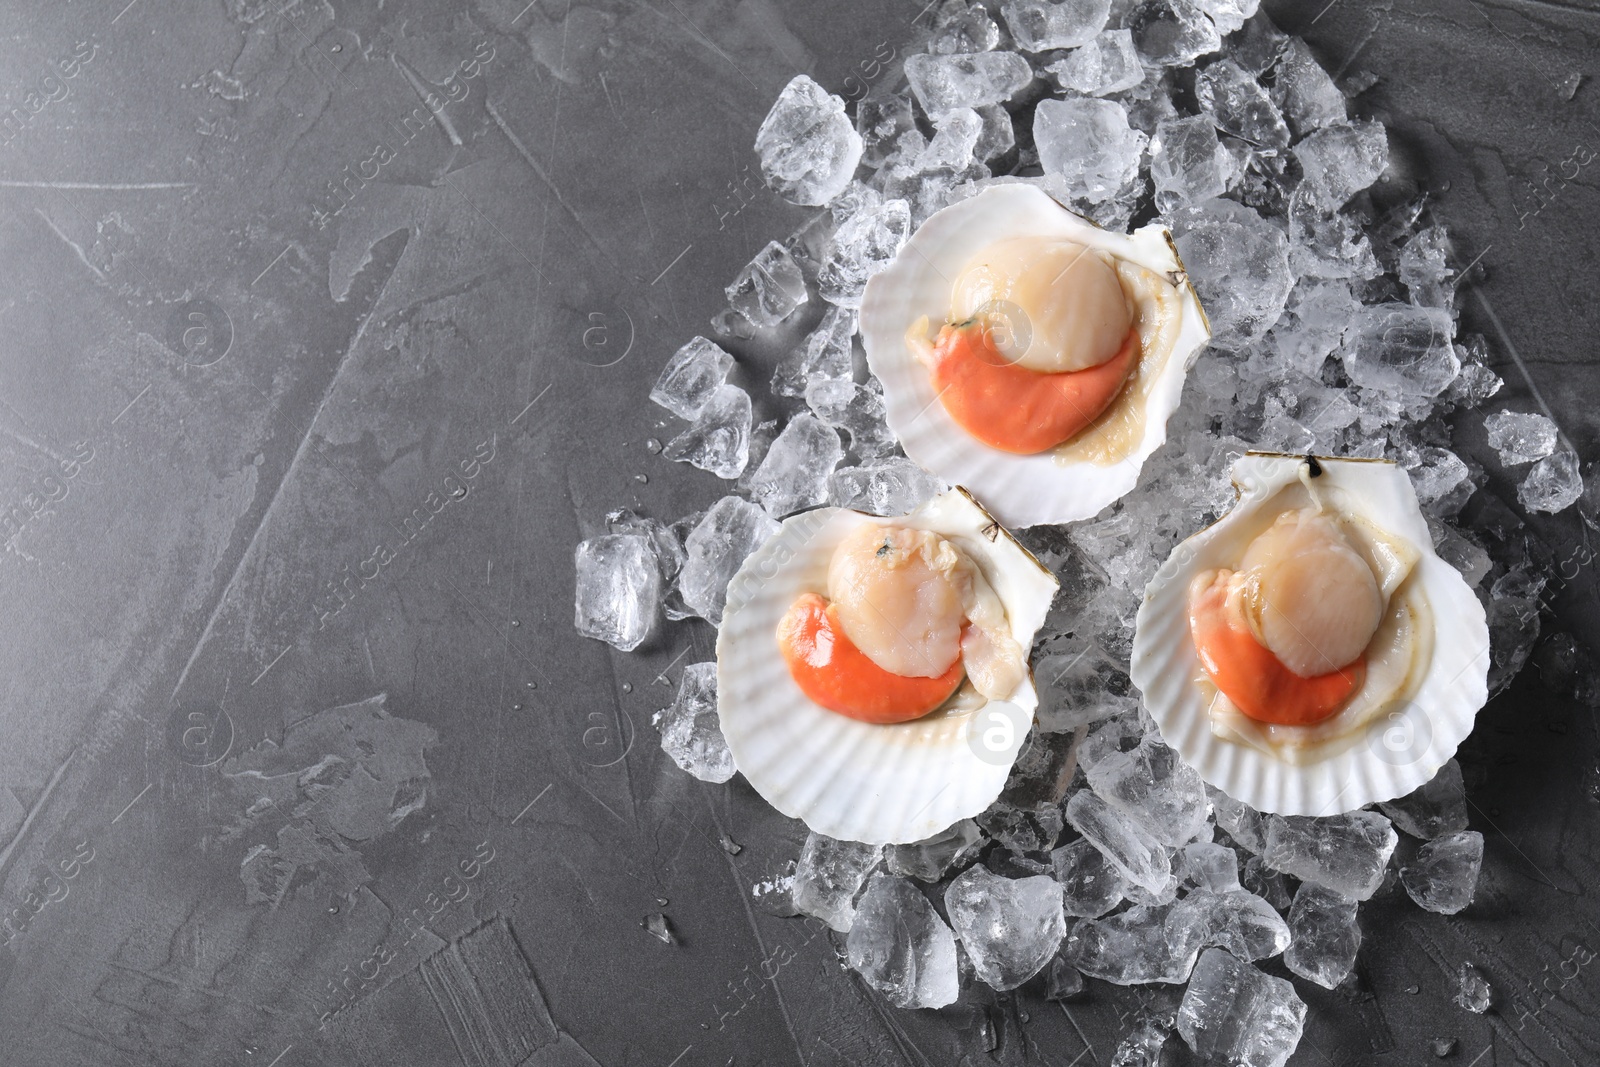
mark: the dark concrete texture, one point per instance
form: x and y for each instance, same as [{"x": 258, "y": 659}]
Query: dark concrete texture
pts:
[{"x": 307, "y": 391}]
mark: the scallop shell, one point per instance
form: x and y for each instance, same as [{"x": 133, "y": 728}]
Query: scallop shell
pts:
[
  {"x": 1396, "y": 752},
  {"x": 856, "y": 781},
  {"x": 1019, "y": 490}
]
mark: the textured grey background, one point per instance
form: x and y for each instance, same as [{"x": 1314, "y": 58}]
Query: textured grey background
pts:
[{"x": 424, "y": 399}]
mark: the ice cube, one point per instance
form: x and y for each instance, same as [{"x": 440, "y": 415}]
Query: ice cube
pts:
[
  {"x": 1090, "y": 885},
  {"x": 890, "y": 486},
  {"x": 1063, "y": 981},
  {"x": 997, "y": 136},
  {"x": 1144, "y": 943},
  {"x": 1403, "y": 350},
  {"x": 1339, "y": 161},
  {"x": 1187, "y": 162},
  {"x": 719, "y": 439},
  {"x": 901, "y": 947},
  {"x": 769, "y": 288},
  {"x": 665, "y": 544},
  {"x": 1553, "y": 484},
  {"x": 1304, "y": 92},
  {"x": 928, "y": 860},
  {"x": 829, "y": 875},
  {"x": 825, "y": 356},
  {"x": 1229, "y": 15},
  {"x": 1347, "y": 853},
  {"x": 956, "y": 135},
  {"x": 961, "y": 27},
  {"x": 1423, "y": 270},
  {"x": 943, "y": 82},
  {"x": 1136, "y": 855},
  {"x": 731, "y": 529},
  {"x": 1323, "y": 935},
  {"x": 1108, "y": 64},
  {"x": 1144, "y": 1046},
  {"x": 1433, "y": 809},
  {"x": 1239, "y": 263},
  {"x": 690, "y": 731},
  {"x": 1235, "y": 919},
  {"x": 1320, "y": 310},
  {"x": 1258, "y": 46},
  {"x": 863, "y": 245},
  {"x": 807, "y": 145},
  {"x": 794, "y": 473},
  {"x": 882, "y": 119},
  {"x": 1089, "y": 144},
  {"x": 1442, "y": 480},
  {"x": 1520, "y": 437},
  {"x": 1265, "y": 883},
  {"x": 618, "y": 589},
  {"x": 1240, "y": 106},
  {"x": 1041, "y": 25},
  {"x": 691, "y": 377},
  {"x": 1208, "y": 865},
  {"x": 1150, "y": 784},
  {"x": 1171, "y": 33},
  {"x": 1232, "y": 1013},
  {"x": 856, "y": 409},
  {"x": 1077, "y": 688},
  {"x": 1473, "y": 991},
  {"x": 1444, "y": 874},
  {"x": 1010, "y": 927}
]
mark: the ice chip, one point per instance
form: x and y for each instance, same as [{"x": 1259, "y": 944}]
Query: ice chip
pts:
[
  {"x": 691, "y": 377},
  {"x": 807, "y": 145},
  {"x": 1144, "y": 1046},
  {"x": 769, "y": 288},
  {"x": 1258, "y": 45},
  {"x": 618, "y": 589},
  {"x": 1237, "y": 920},
  {"x": 1339, "y": 161},
  {"x": 794, "y": 473},
  {"x": 1229, "y": 15},
  {"x": 1090, "y": 885},
  {"x": 943, "y": 82},
  {"x": 1080, "y": 687},
  {"x": 1136, "y": 855},
  {"x": 928, "y": 860},
  {"x": 1423, "y": 270},
  {"x": 882, "y": 119},
  {"x": 719, "y": 439},
  {"x": 1240, "y": 106},
  {"x": 1402, "y": 349},
  {"x": 961, "y": 27},
  {"x": 1444, "y": 874},
  {"x": 690, "y": 731},
  {"x": 1519, "y": 437},
  {"x": 1347, "y": 853},
  {"x": 1089, "y": 144},
  {"x": 1265, "y": 883},
  {"x": 890, "y": 486},
  {"x": 1239, "y": 263},
  {"x": 1208, "y": 865},
  {"x": 1187, "y": 162},
  {"x": 829, "y": 875},
  {"x": 1553, "y": 484},
  {"x": 901, "y": 947},
  {"x": 825, "y": 356},
  {"x": 1150, "y": 784},
  {"x": 1144, "y": 943},
  {"x": 731, "y": 529},
  {"x": 1323, "y": 935},
  {"x": 1063, "y": 981},
  {"x": 1042, "y": 25},
  {"x": 997, "y": 136},
  {"x": 774, "y": 893},
  {"x": 1473, "y": 991},
  {"x": 1433, "y": 809},
  {"x": 1304, "y": 92},
  {"x": 862, "y": 246},
  {"x": 1171, "y": 33},
  {"x": 956, "y": 135},
  {"x": 1108, "y": 64},
  {"x": 1232, "y": 1013},
  {"x": 1010, "y": 927},
  {"x": 856, "y": 409}
]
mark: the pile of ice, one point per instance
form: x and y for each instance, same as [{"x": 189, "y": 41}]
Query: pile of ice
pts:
[{"x": 1333, "y": 301}]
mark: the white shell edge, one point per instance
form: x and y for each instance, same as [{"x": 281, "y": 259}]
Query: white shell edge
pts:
[
  {"x": 851, "y": 780},
  {"x": 1400, "y": 751},
  {"x": 1019, "y": 490}
]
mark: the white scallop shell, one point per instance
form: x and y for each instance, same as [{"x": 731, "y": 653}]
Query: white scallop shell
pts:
[
  {"x": 1019, "y": 490},
  {"x": 1395, "y": 753},
  {"x": 857, "y": 781}
]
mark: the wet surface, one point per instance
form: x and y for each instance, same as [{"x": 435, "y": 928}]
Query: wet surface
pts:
[{"x": 328, "y": 329}]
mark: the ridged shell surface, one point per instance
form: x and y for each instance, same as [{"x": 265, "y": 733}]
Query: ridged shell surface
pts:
[
  {"x": 856, "y": 781},
  {"x": 1019, "y": 490},
  {"x": 1397, "y": 751}
]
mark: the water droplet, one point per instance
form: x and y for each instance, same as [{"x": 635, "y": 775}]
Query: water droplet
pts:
[
  {"x": 627, "y": 687},
  {"x": 530, "y": 685},
  {"x": 516, "y": 707},
  {"x": 333, "y": 909},
  {"x": 338, "y": 48},
  {"x": 652, "y": 446},
  {"x": 515, "y": 623},
  {"x": 661, "y": 902},
  {"x": 641, "y": 478}
]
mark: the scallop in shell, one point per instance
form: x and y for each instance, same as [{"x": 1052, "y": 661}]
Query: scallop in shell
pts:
[
  {"x": 1351, "y": 659},
  {"x": 1044, "y": 284},
  {"x": 880, "y": 783}
]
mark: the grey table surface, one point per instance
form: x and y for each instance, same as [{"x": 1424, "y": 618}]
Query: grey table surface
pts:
[{"x": 307, "y": 391}]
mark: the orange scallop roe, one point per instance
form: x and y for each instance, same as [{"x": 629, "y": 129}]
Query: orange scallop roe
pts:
[
  {"x": 1256, "y": 681},
  {"x": 1012, "y": 408},
  {"x": 836, "y": 674}
]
